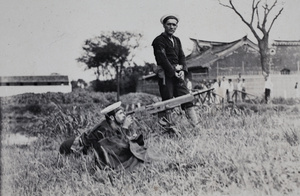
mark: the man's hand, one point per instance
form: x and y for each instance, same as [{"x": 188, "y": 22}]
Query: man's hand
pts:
[
  {"x": 180, "y": 74},
  {"x": 127, "y": 122},
  {"x": 77, "y": 146},
  {"x": 132, "y": 137},
  {"x": 178, "y": 67}
]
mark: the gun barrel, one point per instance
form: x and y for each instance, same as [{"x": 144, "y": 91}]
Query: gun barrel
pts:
[
  {"x": 130, "y": 112},
  {"x": 202, "y": 91},
  {"x": 170, "y": 103}
]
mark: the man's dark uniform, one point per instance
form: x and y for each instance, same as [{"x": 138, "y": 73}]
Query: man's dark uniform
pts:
[
  {"x": 111, "y": 147},
  {"x": 89, "y": 139},
  {"x": 168, "y": 54}
]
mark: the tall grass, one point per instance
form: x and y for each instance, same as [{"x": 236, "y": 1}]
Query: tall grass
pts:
[{"x": 242, "y": 150}]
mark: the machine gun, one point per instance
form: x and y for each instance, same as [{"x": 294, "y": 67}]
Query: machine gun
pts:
[{"x": 173, "y": 103}]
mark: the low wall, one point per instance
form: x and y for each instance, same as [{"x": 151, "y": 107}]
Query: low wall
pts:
[{"x": 283, "y": 85}]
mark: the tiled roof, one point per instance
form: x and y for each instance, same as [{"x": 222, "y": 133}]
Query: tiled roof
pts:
[
  {"x": 206, "y": 53},
  {"x": 286, "y": 43}
]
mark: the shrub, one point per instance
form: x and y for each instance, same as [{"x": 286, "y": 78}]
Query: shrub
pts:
[
  {"x": 281, "y": 100},
  {"x": 243, "y": 154},
  {"x": 291, "y": 136},
  {"x": 295, "y": 109},
  {"x": 111, "y": 97},
  {"x": 34, "y": 108}
]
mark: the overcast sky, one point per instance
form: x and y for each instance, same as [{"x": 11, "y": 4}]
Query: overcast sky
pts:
[{"x": 40, "y": 37}]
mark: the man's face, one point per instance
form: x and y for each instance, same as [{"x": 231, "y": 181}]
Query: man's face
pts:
[
  {"x": 170, "y": 26},
  {"x": 120, "y": 116}
]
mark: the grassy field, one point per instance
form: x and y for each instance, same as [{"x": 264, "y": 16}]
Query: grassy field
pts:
[{"x": 251, "y": 149}]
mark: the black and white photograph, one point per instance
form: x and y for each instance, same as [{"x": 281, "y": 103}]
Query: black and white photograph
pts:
[{"x": 150, "y": 98}]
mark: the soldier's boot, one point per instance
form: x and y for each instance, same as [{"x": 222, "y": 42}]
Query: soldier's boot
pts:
[
  {"x": 192, "y": 115},
  {"x": 165, "y": 118}
]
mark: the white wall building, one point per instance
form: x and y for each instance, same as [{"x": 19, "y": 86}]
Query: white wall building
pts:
[{"x": 13, "y": 85}]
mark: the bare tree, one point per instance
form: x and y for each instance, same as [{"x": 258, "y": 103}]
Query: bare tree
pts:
[{"x": 261, "y": 21}]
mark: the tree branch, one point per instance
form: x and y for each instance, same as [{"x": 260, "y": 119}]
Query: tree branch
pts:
[
  {"x": 274, "y": 20},
  {"x": 274, "y": 4},
  {"x": 224, "y": 5},
  {"x": 266, "y": 13},
  {"x": 254, "y": 8},
  {"x": 258, "y": 20},
  {"x": 243, "y": 19}
]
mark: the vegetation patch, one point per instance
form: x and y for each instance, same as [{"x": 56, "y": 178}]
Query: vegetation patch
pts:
[{"x": 242, "y": 149}]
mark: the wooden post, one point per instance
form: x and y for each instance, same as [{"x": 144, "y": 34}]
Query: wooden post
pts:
[
  {"x": 243, "y": 67},
  {"x": 217, "y": 68}
]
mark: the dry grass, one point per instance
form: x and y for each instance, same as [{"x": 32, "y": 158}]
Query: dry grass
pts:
[{"x": 246, "y": 150}]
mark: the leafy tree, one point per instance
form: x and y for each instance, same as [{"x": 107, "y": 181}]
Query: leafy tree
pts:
[
  {"x": 80, "y": 83},
  {"x": 108, "y": 54},
  {"x": 261, "y": 20}
]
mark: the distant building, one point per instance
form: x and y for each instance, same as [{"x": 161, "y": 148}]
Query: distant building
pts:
[
  {"x": 13, "y": 85},
  {"x": 285, "y": 56},
  {"x": 210, "y": 59}
]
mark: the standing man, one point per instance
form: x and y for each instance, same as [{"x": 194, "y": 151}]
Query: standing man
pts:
[
  {"x": 296, "y": 90},
  {"x": 224, "y": 86},
  {"x": 171, "y": 65},
  {"x": 216, "y": 91},
  {"x": 239, "y": 89},
  {"x": 230, "y": 90},
  {"x": 268, "y": 88},
  {"x": 243, "y": 90}
]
